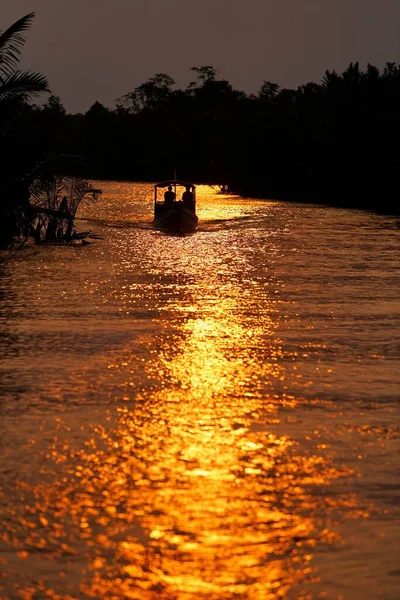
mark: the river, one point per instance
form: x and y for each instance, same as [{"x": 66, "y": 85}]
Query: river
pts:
[{"x": 212, "y": 416}]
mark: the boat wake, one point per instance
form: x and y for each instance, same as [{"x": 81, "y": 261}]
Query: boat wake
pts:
[
  {"x": 119, "y": 224},
  {"x": 222, "y": 224},
  {"x": 204, "y": 225}
]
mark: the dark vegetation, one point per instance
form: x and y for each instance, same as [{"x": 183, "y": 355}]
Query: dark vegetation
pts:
[
  {"x": 332, "y": 142},
  {"x": 336, "y": 141},
  {"x": 39, "y": 193}
]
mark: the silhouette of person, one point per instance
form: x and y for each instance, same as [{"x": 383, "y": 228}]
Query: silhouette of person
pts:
[
  {"x": 188, "y": 197},
  {"x": 169, "y": 196}
]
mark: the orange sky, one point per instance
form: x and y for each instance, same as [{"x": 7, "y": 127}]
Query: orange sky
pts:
[{"x": 100, "y": 49}]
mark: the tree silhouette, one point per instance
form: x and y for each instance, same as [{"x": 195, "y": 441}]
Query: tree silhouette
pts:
[
  {"x": 16, "y": 87},
  {"x": 151, "y": 95},
  {"x": 333, "y": 141},
  {"x": 268, "y": 91},
  {"x": 54, "y": 106},
  {"x": 204, "y": 74}
]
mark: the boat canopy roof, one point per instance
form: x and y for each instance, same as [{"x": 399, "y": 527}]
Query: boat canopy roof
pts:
[{"x": 173, "y": 182}]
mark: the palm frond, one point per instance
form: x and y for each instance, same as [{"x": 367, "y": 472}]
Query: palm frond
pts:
[
  {"x": 54, "y": 200},
  {"x": 86, "y": 234},
  {"x": 49, "y": 192},
  {"x": 79, "y": 189},
  {"x": 11, "y": 43},
  {"x": 22, "y": 84}
]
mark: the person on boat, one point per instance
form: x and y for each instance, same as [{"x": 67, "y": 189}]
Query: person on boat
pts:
[
  {"x": 188, "y": 197},
  {"x": 169, "y": 196}
]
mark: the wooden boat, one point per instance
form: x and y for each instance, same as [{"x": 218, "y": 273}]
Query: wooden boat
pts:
[{"x": 171, "y": 214}]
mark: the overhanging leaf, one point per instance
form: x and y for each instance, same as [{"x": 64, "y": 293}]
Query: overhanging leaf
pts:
[{"x": 11, "y": 43}]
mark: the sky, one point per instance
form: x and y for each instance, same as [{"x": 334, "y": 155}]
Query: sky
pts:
[{"x": 98, "y": 50}]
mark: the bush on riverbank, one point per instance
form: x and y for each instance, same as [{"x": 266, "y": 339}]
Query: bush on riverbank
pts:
[
  {"x": 31, "y": 204},
  {"x": 54, "y": 204}
]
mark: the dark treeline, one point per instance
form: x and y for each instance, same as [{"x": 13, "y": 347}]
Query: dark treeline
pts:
[
  {"x": 38, "y": 200},
  {"x": 332, "y": 142},
  {"x": 336, "y": 141}
]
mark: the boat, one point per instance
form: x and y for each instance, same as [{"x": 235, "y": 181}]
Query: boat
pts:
[{"x": 171, "y": 214}]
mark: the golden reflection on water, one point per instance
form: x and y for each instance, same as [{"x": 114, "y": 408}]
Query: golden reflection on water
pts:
[
  {"x": 189, "y": 495},
  {"x": 195, "y": 455}
]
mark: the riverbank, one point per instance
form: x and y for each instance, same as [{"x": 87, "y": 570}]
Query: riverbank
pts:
[
  {"x": 380, "y": 200},
  {"x": 383, "y": 202}
]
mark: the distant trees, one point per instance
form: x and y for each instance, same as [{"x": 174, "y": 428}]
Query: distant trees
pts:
[
  {"x": 210, "y": 91},
  {"x": 54, "y": 106},
  {"x": 331, "y": 141},
  {"x": 151, "y": 95},
  {"x": 268, "y": 91},
  {"x": 204, "y": 74},
  {"x": 334, "y": 141}
]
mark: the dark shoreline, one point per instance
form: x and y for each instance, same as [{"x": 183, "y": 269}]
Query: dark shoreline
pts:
[
  {"x": 331, "y": 143},
  {"x": 383, "y": 208}
]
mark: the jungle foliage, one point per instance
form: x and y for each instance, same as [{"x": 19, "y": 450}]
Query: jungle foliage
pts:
[{"x": 334, "y": 142}]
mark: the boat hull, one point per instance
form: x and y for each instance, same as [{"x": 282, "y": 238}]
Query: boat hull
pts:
[{"x": 178, "y": 218}]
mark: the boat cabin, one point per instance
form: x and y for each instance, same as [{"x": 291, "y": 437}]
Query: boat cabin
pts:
[
  {"x": 175, "y": 205},
  {"x": 166, "y": 194}
]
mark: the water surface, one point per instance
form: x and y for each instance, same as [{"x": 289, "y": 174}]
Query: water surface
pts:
[{"x": 208, "y": 416}]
